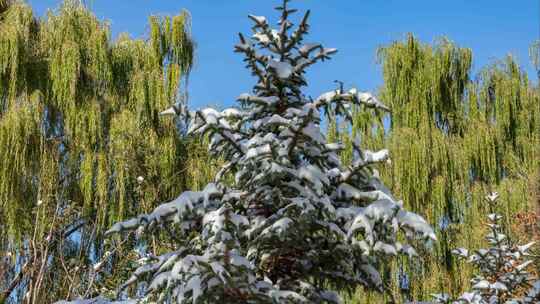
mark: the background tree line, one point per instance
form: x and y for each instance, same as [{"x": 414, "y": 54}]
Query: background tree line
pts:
[
  {"x": 453, "y": 137},
  {"x": 79, "y": 125}
]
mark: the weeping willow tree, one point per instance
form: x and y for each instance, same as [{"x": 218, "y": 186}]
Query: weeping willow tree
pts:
[
  {"x": 534, "y": 54},
  {"x": 453, "y": 138},
  {"x": 81, "y": 141}
]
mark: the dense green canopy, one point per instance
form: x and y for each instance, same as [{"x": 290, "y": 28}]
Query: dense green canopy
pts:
[
  {"x": 79, "y": 125},
  {"x": 452, "y": 138},
  {"x": 72, "y": 98}
]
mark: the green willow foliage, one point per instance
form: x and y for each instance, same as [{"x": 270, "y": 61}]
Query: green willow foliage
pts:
[
  {"x": 79, "y": 124},
  {"x": 451, "y": 139},
  {"x": 534, "y": 54},
  {"x": 69, "y": 94}
]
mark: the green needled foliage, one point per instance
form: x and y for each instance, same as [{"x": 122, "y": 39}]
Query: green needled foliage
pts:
[
  {"x": 451, "y": 140},
  {"x": 79, "y": 124}
]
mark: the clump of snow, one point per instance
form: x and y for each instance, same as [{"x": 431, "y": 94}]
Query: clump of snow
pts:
[{"x": 282, "y": 69}]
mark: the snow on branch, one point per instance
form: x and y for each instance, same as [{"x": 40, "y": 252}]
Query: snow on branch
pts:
[{"x": 189, "y": 203}]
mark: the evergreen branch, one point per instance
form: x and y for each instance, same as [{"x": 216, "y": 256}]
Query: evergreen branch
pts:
[
  {"x": 297, "y": 133},
  {"x": 322, "y": 55},
  {"x": 284, "y": 25},
  {"x": 260, "y": 23},
  {"x": 298, "y": 35},
  {"x": 252, "y": 58},
  {"x": 363, "y": 161},
  {"x": 231, "y": 141},
  {"x": 224, "y": 169}
]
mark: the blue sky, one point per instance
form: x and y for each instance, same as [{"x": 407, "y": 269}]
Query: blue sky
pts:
[{"x": 491, "y": 28}]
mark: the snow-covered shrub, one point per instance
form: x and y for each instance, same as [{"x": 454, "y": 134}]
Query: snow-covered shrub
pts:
[
  {"x": 503, "y": 275},
  {"x": 285, "y": 221}
]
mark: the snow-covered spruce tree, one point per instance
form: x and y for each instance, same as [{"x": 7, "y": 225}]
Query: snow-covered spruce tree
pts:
[
  {"x": 285, "y": 221},
  {"x": 503, "y": 275}
]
